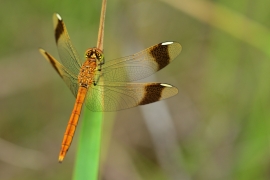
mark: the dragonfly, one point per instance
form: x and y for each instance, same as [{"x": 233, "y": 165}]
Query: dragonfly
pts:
[{"x": 105, "y": 86}]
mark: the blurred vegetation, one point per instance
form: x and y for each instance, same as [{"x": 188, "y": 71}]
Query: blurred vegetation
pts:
[{"x": 221, "y": 116}]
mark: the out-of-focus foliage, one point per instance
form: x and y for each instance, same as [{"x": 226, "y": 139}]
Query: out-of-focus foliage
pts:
[{"x": 221, "y": 116}]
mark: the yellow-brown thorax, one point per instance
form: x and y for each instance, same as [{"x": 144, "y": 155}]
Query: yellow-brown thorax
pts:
[{"x": 94, "y": 57}]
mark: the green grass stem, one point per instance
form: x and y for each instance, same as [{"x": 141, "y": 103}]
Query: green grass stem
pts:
[{"x": 88, "y": 154}]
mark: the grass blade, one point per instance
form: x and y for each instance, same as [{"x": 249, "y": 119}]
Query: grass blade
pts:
[
  {"x": 88, "y": 157},
  {"x": 87, "y": 161}
]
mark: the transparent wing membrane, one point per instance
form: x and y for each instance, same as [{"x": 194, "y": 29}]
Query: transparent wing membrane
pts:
[
  {"x": 68, "y": 55},
  {"x": 118, "y": 96},
  {"x": 142, "y": 64},
  {"x": 70, "y": 79}
]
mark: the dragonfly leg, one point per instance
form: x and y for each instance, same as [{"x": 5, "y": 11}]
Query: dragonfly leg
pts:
[
  {"x": 95, "y": 82},
  {"x": 101, "y": 62}
]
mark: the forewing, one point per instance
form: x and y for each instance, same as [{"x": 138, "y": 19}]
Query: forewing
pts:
[
  {"x": 118, "y": 96},
  {"x": 68, "y": 55},
  {"x": 142, "y": 64},
  {"x": 70, "y": 79}
]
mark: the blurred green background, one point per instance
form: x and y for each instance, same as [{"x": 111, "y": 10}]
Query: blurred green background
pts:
[{"x": 216, "y": 128}]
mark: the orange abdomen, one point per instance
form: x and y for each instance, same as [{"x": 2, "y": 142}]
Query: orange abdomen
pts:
[{"x": 73, "y": 121}]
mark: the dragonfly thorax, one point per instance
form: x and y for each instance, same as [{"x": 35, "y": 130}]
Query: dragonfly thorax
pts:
[
  {"x": 87, "y": 73},
  {"x": 94, "y": 57}
]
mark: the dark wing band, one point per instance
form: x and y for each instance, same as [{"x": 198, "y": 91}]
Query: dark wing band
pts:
[{"x": 142, "y": 64}]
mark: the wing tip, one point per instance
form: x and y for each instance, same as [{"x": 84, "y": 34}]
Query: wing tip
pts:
[
  {"x": 42, "y": 51},
  {"x": 168, "y": 88},
  {"x": 166, "y": 85},
  {"x": 175, "y": 46},
  {"x": 45, "y": 54},
  {"x": 56, "y": 15},
  {"x": 167, "y": 43}
]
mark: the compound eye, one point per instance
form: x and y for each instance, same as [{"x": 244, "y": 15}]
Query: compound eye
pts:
[
  {"x": 88, "y": 54},
  {"x": 98, "y": 55}
]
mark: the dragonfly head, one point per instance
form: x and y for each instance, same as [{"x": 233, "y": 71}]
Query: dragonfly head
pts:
[{"x": 94, "y": 53}]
